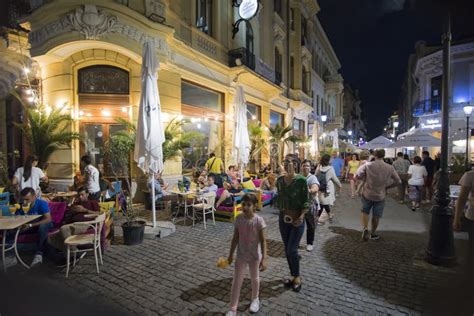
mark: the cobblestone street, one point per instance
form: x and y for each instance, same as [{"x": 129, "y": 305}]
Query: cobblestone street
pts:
[{"x": 177, "y": 274}]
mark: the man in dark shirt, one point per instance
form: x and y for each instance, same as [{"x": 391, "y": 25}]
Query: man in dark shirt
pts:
[
  {"x": 82, "y": 210},
  {"x": 429, "y": 164}
]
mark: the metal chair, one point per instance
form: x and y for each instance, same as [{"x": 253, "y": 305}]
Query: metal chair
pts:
[
  {"x": 206, "y": 206},
  {"x": 87, "y": 239}
]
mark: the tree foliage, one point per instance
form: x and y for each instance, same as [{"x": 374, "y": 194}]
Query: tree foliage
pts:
[{"x": 46, "y": 130}]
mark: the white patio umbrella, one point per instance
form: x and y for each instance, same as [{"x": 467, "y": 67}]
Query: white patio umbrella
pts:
[
  {"x": 378, "y": 142},
  {"x": 288, "y": 147},
  {"x": 418, "y": 139},
  {"x": 335, "y": 139},
  {"x": 242, "y": 143},
  {"x": 314, "y": 140},
  {"x": 150, "y": 133}
]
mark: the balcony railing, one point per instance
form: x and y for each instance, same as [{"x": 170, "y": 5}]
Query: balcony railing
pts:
[
  {"x": 241, "y": 56},
  {"x": 278, "y": 77},
  {"x": 429, "y": 106}
]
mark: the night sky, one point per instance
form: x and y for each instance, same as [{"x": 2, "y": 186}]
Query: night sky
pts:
[{"x": 374, "y": 38}]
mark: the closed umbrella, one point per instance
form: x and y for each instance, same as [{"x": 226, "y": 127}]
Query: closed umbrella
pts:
[
  {"x": 335, "y": 139},
  {"x": 150, "y": 133},
  {"x": 314, "y": 140},
  {"x": 241, "y": 148},
  {"x": 288, "y": 149}
]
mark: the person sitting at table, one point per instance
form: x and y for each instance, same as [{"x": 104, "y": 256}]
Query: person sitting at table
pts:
[
  {"x": 82, "y": 210},
  {"x": 210, "y": 187},
  {"x": 40, "y": 226},
  {"x": 231, "y": 191},
  {"x": 77, "y": 181},
  {"x": 161, "y": 193},
  {"x": 231, "y": 174},
  {"x": 201, "y": 183},
  {"x": 105, "y": 186}
]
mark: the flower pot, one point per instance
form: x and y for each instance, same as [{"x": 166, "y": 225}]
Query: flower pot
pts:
[{"x": 133, "y": 232}]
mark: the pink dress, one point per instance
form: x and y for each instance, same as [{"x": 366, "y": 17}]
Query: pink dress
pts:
[{"x": 249, "y": 248}]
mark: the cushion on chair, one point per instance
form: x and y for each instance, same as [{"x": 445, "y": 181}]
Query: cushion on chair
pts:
[
  {"x": 82, "y": 239},
  {"x": 57, "y": 211},
  {"x": 249, "y": 185},
  {"x": 219, "y": 192},
  {"x": 257, "y": 182}
]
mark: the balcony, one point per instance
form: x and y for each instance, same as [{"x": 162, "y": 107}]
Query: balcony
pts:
[
  {"x": 426, "y": 107},
  {"x": 241, "y": 56}
]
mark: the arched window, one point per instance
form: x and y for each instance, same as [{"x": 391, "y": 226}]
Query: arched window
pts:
[
  {"x": 103, "y": 79},
  {"x": 249, "y": 44}
]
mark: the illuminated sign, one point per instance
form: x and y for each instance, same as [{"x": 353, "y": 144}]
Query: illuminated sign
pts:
[{"x": 248, "y": 9}]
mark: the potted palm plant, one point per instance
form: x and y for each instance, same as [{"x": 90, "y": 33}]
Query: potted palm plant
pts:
[
  {"x": 258, "y": 145},
  {"x": 279, "y": 137},
  {"x": 46, "y": 130}
]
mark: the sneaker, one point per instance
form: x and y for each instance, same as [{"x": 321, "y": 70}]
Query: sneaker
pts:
[
  {"x": 254, "y": 306},
  {"x": 374, "y": 237},
  {"x": 365, "y": 234},
  {"x": 36, "y": 260},
  {"x": 309, "y": 248},
  {"x": 10, "y": 261},
  {"x": 230, "y": 313}
]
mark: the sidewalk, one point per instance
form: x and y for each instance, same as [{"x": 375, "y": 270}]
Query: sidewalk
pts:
[{"x": 177, "y": 275}]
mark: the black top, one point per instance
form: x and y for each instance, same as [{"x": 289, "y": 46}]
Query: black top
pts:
[{"x": 429, "y": 165}]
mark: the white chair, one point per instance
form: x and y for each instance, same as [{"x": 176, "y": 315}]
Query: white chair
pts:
[
  {"x": 206, "y": 206},
  {"x": 92, "y": 240}
]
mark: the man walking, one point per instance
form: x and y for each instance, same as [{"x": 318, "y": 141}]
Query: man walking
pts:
[
  {"x": 401, "y": 167},
  {"x": 313, "y": 188},
  {"x": 429, "y": 164},
  {"x": 377, "y": 176}
]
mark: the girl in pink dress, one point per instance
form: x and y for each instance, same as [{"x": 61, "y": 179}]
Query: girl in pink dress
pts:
[{"x": 249, "y": 236}]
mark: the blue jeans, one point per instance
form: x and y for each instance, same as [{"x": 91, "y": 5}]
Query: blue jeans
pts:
[
  {"x": 291, "y": 237},
  {"x": 43, "y": 230}
]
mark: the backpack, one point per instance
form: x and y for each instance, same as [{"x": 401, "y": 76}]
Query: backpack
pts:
[{"x": 323, "y": 182}]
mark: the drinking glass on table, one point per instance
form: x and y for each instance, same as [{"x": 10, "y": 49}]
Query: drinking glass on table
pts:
[{"x": 26, "y": 208}]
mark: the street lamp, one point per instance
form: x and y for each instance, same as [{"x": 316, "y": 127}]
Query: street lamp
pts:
[
  {"x": 467, "y": 110},
  {"x": 350, "y": 135},
  {"x": 324, "y": 118},
  {"x": 395, "y": 126}
]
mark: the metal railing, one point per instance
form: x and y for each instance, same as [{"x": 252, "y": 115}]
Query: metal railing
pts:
[
  {"x": 241, "y": 56},
  {"x": 428, "y": 106}
]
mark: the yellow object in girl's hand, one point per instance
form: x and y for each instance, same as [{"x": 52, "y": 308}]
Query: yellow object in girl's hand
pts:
[{"x": 222, "y": 263}]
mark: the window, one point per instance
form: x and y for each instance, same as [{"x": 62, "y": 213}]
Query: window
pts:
[
  {"x": 278, "y": 65},
  {"x": 292, "y": 19},
  {"x": 303, "y": 30},
  {"x": 103, "y": 79},
  {"x": 298, "y": 127},
  {"x": 292, "y": 72},
  {"x": 253, "y": 112},
  {"x": 278, "y": 7},
  {"x": 318, "y": 110},
  {"x": 249, "y": 38},
  {"x": 201, "y": 97},
  {"x": 202, "y": 109},
  {"x": 276, "y": 118},
  {"x": 304, "y": 81},
  {"x": 204, "y": 16}
]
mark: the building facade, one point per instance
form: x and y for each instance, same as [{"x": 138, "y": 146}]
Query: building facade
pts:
[
  {"x": 86, "y": 58},
  {"x": 421, "y": 99}
]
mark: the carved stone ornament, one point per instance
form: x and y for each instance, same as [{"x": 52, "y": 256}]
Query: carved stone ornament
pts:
[
  {"x": 93, "y": 24},
  {"x": 90, "y": 22},
  {"x": 278, "y": 33},
  {"x": 154, "y": 7}
]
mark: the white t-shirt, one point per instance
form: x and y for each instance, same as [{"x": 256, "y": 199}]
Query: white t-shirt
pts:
[
  {"x": 33, "y": 181},
  {"x": 417, "y": 173},
  {"x": 93, "y": 175}
]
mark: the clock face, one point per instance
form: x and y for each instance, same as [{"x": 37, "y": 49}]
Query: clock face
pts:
[{"x": 248, "y": 9}]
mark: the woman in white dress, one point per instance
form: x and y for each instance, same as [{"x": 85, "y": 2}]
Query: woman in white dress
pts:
[
  {"x": 29, "y": 176},
  {"x": 328, "y": 196}
]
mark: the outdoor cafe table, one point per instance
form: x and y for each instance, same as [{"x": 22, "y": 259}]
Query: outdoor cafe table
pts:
[
  {"x": 192, "y": 194},
  {"x": 61, "y": 196},
  {"x": 11, "y": 223}
]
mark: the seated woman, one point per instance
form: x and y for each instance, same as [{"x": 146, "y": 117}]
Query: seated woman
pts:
[
  {"x": 230, "y": 192},
  {"x": 269, "y": 183},
  {"x": 105, "y": 185},
  {"x": 231, "y": 174}
]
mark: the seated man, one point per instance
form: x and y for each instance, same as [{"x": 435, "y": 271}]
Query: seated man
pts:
[
  {"x": 210, "y": 187},
  {"x": 160, "y": 189},
  {"x": 228, "y": 195},
  {"x": 40, "y": 226},
  {"x": 76, "y": 213}
]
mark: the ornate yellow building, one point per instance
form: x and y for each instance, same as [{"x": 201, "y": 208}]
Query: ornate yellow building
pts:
[{"x": 87, "y": 54}]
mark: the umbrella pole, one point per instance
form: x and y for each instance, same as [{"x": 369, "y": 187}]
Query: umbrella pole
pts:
[
  {"x": 153, "y": 206},
  {"x": 242, "y": 172}
]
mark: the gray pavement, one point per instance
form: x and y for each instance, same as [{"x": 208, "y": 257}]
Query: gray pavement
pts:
[{"x": 177, "y": 275}]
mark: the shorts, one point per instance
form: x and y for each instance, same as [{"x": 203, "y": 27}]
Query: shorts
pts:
[{"x": 376, "y": 207}]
